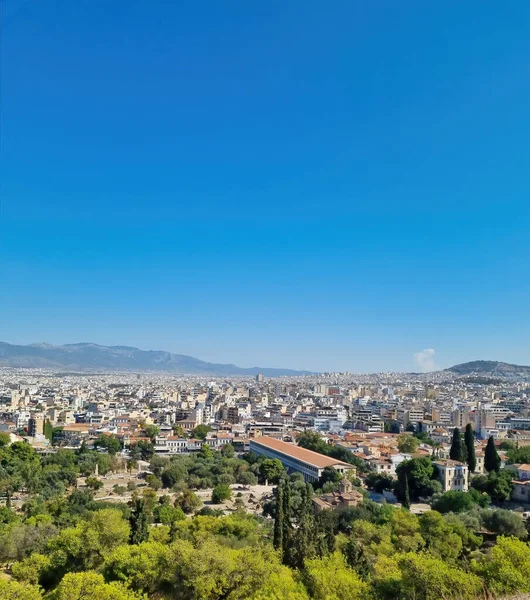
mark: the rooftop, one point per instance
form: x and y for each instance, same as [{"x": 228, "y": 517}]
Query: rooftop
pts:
[
  {"x": 449, "y": 463},
  {"x": 313, "y": 458}
]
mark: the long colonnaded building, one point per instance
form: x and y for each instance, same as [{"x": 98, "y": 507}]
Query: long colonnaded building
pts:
[{"x": 296, "y": 459}]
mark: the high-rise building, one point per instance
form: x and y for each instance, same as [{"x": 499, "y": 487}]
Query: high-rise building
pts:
[
  {"x": 36, "y": 426},
  {"x": 259, "y": 377}
]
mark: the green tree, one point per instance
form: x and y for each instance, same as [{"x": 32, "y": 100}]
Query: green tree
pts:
[
  {"x": 228, "y": 451},
  {"x": 498, "y": 485},
  {"x": 179, "y": 431},
  {"x": 506, "y": 567},
  {"x": 85, "y": 546},
  {"x": 158, "y": 464},
  {"x": 94, "y": 483},
  {"x": 142, "y": 449},
  {"x": 271, "y": 469},
  {"x": 153, "y": 481},
  {"x": 457, "y": 448},
  {"x": 247, "y": 478},
  {"x": 287, "y": 513},
  {"x": 278, "y": 519},
  {"x": 325, "y": 527},
  {"x": 221, "y": 493},
  {"x": 145, "y": 568},
  {"x": 201, "y": 431},
  {"x": 210, "y": 571},
  {"x": 138, "y": 522},
  {"x": 311, "y": 440},
  {"x": 329, "y": 578},
  {"x": 329, "y": 476},
  {"x": 150, "y": 498},
  {"x": 167, "y": 514},
  {"x": 423, "y": 577},
  {"x": 405, "y": 529},
  {"x": 504, "y": 522},
  {"x": 188, "y": 501},
  {"x": 110, "y": 443},
  {"x": 408, "y": 443},
  {"x": 469, "y": 440},
  {"x": 152, "y": 431},
  {"x": 440, "y": 538},
  {"x": 13, "y": 590},
  {"x": 406, "y": 495},
  {"x": 48, "y": 430},
  {"x": 174, "y": 473},
  {"x": 206, "y": 452},
  {"x": 458, "y": 502},
  {"x": 419, "y": 474},
  {"x": 519, "y": 455},
  {"x": 57, "y": 435},
  {"x": 281, "y": 584},
  {"x": 302, "y": 543},
  {"x": 378, "y": 483},
  {"x": 31, "y": 568},
  {"x": 492, "y": 461},
  {"x": 75, "y": 586}
]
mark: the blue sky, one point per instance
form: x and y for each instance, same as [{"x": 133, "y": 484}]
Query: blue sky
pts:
[{"x": 322, "y": 186}]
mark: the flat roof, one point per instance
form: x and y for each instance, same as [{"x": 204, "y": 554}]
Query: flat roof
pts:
[{"x": 308, "y": 456}]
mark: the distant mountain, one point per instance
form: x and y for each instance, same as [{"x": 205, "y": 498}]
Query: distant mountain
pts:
[
  {"x": 92, "y": 357},
  {"x": 491, "y": 368}
]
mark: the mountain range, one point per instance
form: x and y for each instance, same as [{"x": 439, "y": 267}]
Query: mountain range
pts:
[{"x": 93, "y": 357}]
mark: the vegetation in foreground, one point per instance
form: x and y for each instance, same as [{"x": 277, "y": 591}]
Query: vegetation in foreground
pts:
[{"x": 64, "y": 545}]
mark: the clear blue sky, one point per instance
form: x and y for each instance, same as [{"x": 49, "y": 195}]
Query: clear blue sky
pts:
[{"x": 299, "y": 184}]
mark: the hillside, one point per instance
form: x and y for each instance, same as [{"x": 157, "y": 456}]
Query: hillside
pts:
[
  {"x": 491, "y": 368},
  {"x": 92, "y": 357}
]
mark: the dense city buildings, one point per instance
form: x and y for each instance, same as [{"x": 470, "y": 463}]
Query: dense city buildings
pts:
[{"x": 362, "y": 415}]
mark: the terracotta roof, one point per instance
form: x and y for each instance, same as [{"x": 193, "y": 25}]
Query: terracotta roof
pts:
[
  {"x": 313, "y": 458},
  {"x": 525, "y": 467},
  {"x": 320, "y": 502}
]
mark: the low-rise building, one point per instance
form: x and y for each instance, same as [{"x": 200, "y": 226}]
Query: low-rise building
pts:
[
  {"x": 345, "y": 497},
  {"x": 521, "y": 487},
  {"x": 453, "y": 475},
  {"x": 296, "y": 459}
]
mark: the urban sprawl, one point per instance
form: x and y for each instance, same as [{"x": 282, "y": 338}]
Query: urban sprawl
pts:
[{"x": 377, "y": 421}]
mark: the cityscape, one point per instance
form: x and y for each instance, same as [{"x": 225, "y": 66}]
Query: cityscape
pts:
[
  {"x": 399, "y": 452},
  {"x": 264, "y": 300}
]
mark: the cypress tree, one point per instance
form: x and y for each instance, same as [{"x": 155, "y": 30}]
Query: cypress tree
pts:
[
  {"x": 469, "y": 440},
  {"x": 492, "y": 461},
  {"x": 406, "y": 499},
  {"x": 278, "y": 519},
  {"x": 303, "y": 543},
  {"x": 138, "y": 522},
  {"x": 48, "y": 430},
  {"x": 456, "y": 452},
  {"x": 286, "y": 513}
]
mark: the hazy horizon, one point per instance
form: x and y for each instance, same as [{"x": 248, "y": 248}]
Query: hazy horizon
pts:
[{"x": 424, "y": 361}]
